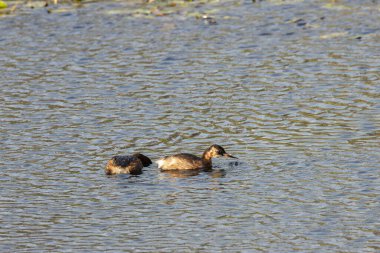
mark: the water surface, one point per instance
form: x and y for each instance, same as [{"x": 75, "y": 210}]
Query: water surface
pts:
[{"x": 292, "y": 88}]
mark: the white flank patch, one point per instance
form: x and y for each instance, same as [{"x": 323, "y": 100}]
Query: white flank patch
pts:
[{"x": 160, "y": 162}]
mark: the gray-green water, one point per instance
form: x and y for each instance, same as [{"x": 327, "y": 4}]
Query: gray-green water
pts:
[{"x": 292, "y": 89}]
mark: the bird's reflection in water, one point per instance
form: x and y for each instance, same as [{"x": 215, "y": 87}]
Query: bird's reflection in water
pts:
[
  {"x": 180, "y": 173},
  {"x": 234, "y": 164},
  {"x": 217, "y": 173},
  {"x": 190, "y": 173}
]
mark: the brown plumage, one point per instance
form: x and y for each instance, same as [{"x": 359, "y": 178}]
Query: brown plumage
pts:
[
  {"x": 186, "y": 161},
  {"x": 127, "y": 164}
]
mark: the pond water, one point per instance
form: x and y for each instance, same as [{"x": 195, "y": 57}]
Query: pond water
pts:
[{"x": 292, "y": 88}]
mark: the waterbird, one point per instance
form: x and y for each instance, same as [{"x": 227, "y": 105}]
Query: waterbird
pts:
[
  {"x": 186, "y": 161},
  {"x": 127, "y": 164}
]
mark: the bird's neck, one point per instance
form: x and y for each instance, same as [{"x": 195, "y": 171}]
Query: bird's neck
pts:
[{"x": 207, "y": 161}]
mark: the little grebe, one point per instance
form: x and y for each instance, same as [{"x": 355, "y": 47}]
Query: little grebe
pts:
[
  {"x": 191, "y": 162},
  {"x": 127, "y": 164}
]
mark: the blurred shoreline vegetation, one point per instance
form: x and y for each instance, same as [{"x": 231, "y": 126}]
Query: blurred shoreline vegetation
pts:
[
  {"x": 200, "y": 9},
  {"x": 135, "y": 8}
]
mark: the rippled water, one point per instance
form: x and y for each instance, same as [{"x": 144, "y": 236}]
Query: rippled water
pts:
[{"x": 290, "y": 87}]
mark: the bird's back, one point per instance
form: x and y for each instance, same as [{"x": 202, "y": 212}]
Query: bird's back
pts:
[
  {"x": 182, "y": 161},
  {"x": 124, "y": 164}
]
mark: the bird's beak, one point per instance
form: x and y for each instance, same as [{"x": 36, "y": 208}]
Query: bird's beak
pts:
[{"x": 230, "y": 156}]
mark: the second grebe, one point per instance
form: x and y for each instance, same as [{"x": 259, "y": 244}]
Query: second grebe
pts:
[
  {"x": 186, "y": 161},
  {"x": 127, "y": 164}
]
